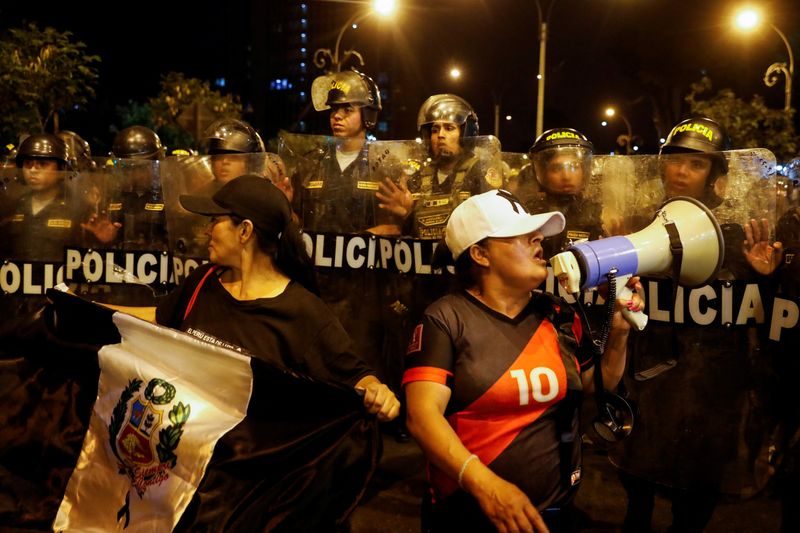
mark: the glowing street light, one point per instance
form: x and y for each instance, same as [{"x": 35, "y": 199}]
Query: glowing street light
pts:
[
  {"x": 748, "y": 19},
  {"x": 626, "y": 139},
  {"x": 455, "y": 73},
  {"x": 324, "y": 58}
]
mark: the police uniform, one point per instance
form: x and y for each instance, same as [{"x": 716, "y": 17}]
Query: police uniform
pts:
[
  {"x": 42, "y": 236},
  {"x": 704, "y": 391},
  {"x": 785, "y": 349},
  {"x": 435, "y": 199},
  {"x": 339, "y": 200}
]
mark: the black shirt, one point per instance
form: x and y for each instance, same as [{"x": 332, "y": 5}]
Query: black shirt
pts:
[{"x": 294, "y": 330}]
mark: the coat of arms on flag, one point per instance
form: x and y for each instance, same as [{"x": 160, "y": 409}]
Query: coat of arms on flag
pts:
[
  {"x": 110, "y": 423},
  {"x": 146, "y": 452}
]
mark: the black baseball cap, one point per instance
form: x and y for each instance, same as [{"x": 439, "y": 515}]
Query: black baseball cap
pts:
[{"x": 249, "y": 196}]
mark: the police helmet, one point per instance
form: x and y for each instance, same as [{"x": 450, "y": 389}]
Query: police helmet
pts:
[
  {"x": 699, "y": 134},
  {"x": 561, "y": 137},
  {"x": 79, "y": 153},
  {"x": 447, "y": 108},
  {"x": 43, "y": 146},
  {"x": 560, "y": 141},
  {"x": 230, "y": 135},
  {"x": 137, "y": 142},
  {"x": 348, "y": 87}
]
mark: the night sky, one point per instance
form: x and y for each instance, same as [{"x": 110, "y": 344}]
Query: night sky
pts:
[{"x": 639, "y": 55}]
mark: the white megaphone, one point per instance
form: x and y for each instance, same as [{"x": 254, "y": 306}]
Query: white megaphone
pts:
[{"x": 684, "y": 232}]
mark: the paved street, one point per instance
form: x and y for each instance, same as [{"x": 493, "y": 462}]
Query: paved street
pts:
[{"x": 391, "y": 503}]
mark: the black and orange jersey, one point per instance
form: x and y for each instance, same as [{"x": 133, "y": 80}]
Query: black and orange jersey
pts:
[{"x": 507, "y": 378}]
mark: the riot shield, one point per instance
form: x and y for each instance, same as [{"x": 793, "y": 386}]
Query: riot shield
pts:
[
  {"x": 516, "y": 176},
  {"x": 40, "y": 220},
  {"x": 633, "y": 187},
  {"x": 334, "y": 184},
  {"x": 437, "y": 186},
  {"x": 204, "y": 175},
  {"x": 124, "y": 259},
  {"x": 699, "y": 374}
]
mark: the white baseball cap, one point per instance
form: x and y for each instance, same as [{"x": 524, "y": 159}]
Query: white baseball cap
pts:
[{"x": 496, "y": 213}]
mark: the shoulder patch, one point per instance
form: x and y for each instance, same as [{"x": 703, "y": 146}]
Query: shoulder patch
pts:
[{"x": 415, "y": 344}]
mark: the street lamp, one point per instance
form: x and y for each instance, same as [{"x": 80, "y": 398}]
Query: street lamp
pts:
[
  {"x": 748, "y": 19},
  {"x": 626, "y": 138},
  {"x": 543, "y": 22},
  {"x": 325, "y": 59}
]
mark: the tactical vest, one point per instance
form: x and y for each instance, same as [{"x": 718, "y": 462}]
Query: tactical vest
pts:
[
  {"x": 432, "y": 209},
  {"x": 335, "y": 200}
]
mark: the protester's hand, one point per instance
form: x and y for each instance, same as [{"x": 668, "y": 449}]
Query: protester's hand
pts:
[
  {"x": 508, "y": 508},
  {"x": 633, "y": 303},
  {"x": 102, "y": 228},
  {"x": 380, "y": 400},
  {"x": 395, "y": 198},
  {"x": 760, "y": 254}
]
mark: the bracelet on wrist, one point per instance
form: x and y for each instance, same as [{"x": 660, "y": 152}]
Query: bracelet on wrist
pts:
[{"x": 464, "y": 468}]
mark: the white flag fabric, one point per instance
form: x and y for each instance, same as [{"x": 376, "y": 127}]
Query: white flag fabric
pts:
[{"x": 164, "y": 399}]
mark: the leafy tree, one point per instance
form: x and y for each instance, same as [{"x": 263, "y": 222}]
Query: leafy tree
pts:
[
  {"x": 41, "y": 72},
  {"x": 186, "y": 106},
  {"x": 750, "y": 124}
]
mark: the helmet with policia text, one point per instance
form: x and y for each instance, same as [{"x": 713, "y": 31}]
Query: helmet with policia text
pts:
[
  {"x": 570, "y": 146},
  {"x": 79, "y": 152},
  {"x": 700, "y": 134},
  {"x": 348, "y": 87},
  {"x": 43, "y": 146},
  {"x": 447, "y": 108},
  {"x": 231, "y": 136},
  {"x": 137, "y": 142}
]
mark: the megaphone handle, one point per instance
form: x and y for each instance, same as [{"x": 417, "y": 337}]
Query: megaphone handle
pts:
[{"x": 637, "y": 319}]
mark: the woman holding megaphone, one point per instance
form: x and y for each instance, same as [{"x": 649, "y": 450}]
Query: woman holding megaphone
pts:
[{"x": 494, "y": 377}]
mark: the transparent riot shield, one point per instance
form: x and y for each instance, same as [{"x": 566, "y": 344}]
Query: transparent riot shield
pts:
[
  {"x": 634, "y": 187},
  {"x": 699, "y": 373},
  {"x": 516, "y": 174},
  {"x": 123, "y": 257},
  {"x": 40, "y": 220},
  {"x": 205, "y": 175},
  {"x": 334, "y": 184},
  {"x": 435, "y": 186}
]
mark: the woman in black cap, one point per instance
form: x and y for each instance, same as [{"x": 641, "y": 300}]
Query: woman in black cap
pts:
[{"x": 257, "y": 293}]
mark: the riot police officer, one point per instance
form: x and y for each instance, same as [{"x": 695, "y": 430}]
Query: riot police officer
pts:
[
  {"x": 447, "y": 125},
  {"x": 337, "y": 192},
  {"x": 43, "y": 222},
  {"x": 701, "y": 388},
  {"x": 136, "y": 199},
  {"x": 695, "y": 173},
  {"x": 561, "y": 161},
  {"x": 227, "y": 141}
]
